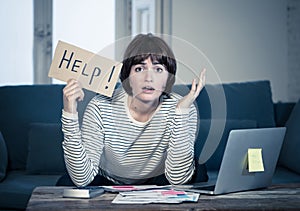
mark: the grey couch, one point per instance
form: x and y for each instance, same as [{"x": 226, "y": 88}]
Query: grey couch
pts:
[{"x": 30, "y": 144}]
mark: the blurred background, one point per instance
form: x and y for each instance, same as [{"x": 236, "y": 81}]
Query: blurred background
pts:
[{"x": 243, "y": 40}]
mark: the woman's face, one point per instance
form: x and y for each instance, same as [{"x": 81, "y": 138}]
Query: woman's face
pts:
[{"x": 148, "y": 80}]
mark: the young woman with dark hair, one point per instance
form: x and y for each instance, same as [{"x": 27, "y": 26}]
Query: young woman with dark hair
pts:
[{"x": 143, "y": 134}]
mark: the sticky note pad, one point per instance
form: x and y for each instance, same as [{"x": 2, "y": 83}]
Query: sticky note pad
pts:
[{"x": 255, "y": 160}]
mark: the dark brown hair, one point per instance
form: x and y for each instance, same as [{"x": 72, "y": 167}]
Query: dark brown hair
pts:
[{"x": 142, "y": 47}]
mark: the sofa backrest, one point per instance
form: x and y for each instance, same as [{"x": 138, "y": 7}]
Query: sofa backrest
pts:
[
  {"x": 243, "y": 101},
  {"x": 247, "y": 104},
  {"x": 20, "y": 107},
  {"x": 282, "y": 112},
  {"x": 223, "y": 107}
]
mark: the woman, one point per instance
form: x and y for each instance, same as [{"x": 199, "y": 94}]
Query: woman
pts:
[{"x": 144, "y": 134}]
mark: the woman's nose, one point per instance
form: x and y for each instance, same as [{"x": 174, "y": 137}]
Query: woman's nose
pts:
[{"x": 149, "y": 75}]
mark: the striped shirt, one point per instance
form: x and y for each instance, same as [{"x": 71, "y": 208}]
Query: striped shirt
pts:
[{"x": 113, "y": 144}]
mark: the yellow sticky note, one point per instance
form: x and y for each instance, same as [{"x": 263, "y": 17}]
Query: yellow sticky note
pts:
[{"x": 255, "y": 160}]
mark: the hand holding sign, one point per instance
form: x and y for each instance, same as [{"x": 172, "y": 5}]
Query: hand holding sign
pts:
[
  {"x": 71, "y": 94},
  {"x": 94, "y": 72}
]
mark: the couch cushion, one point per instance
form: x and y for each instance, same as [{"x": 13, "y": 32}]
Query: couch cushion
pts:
[
  {"x": 16, "y": 189},
  {"x": 252, "y": 101},
  {"x": 243, "y": 101},
  {"x": 3, "y": 158},
  {"x": 284, "y": 175},
  {"x": 22, "y": 105},
  {"x": 290, "y": 152},
  {"x": 214, "y": 162},
  {"x": 45, "y": 154}
]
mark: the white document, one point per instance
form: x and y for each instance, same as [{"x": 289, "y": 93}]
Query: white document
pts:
[{"x": 155, "y": 196}]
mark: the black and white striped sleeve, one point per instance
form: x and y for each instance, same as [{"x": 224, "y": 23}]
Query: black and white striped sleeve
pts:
[
  {"x": 83, "y": 148},
  {"x": 179, "y": 165}
]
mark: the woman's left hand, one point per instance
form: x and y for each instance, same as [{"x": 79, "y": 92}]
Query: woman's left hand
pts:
[{"x": 189, "y": 99}]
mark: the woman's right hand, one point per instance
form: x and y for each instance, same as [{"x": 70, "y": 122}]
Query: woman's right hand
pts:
[{"x": 72, "y": 93}]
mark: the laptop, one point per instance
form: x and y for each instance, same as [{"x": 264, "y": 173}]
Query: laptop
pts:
[{"x": 234, "y": 174}]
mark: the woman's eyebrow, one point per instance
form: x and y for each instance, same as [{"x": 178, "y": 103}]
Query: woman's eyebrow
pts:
[
  {"x": 156, "y": 62},
  {"x": 142, "y": 63}
]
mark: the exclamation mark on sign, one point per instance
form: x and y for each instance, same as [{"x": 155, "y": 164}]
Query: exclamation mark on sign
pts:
[{"x": 112, "y": 72}]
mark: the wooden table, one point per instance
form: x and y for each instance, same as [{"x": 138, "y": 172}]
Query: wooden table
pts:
[{"x": 279, "y": 197}]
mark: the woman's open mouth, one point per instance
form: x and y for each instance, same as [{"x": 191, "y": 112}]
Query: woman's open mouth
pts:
[{"x": 148, "y": 89}]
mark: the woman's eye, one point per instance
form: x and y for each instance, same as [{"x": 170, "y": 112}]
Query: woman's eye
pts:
[
  {"x": 159, "y": 70},
  {"x": 138, "y": 69}
]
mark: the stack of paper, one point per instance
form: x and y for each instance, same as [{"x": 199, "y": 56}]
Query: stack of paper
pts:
[{"x": 155, "y": 196}]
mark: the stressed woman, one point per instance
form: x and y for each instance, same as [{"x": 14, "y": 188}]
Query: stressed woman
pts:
[{"x": 143, "y": 134}]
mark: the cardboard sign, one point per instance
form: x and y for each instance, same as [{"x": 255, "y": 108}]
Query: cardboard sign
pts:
[
  {"x": 94, "y": 72},
  {"x": 255, "y": 160}
]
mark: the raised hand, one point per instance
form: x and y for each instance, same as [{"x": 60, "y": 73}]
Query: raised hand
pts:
[
  {"x": 72, "y": 93},
  {"x": 189, "y": 99}
]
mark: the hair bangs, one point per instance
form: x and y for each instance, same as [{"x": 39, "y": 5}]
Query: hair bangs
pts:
[{"x": 138, "y": 59}]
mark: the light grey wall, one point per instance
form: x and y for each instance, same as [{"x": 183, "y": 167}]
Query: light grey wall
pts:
[{"x": 245, "y": 40}]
